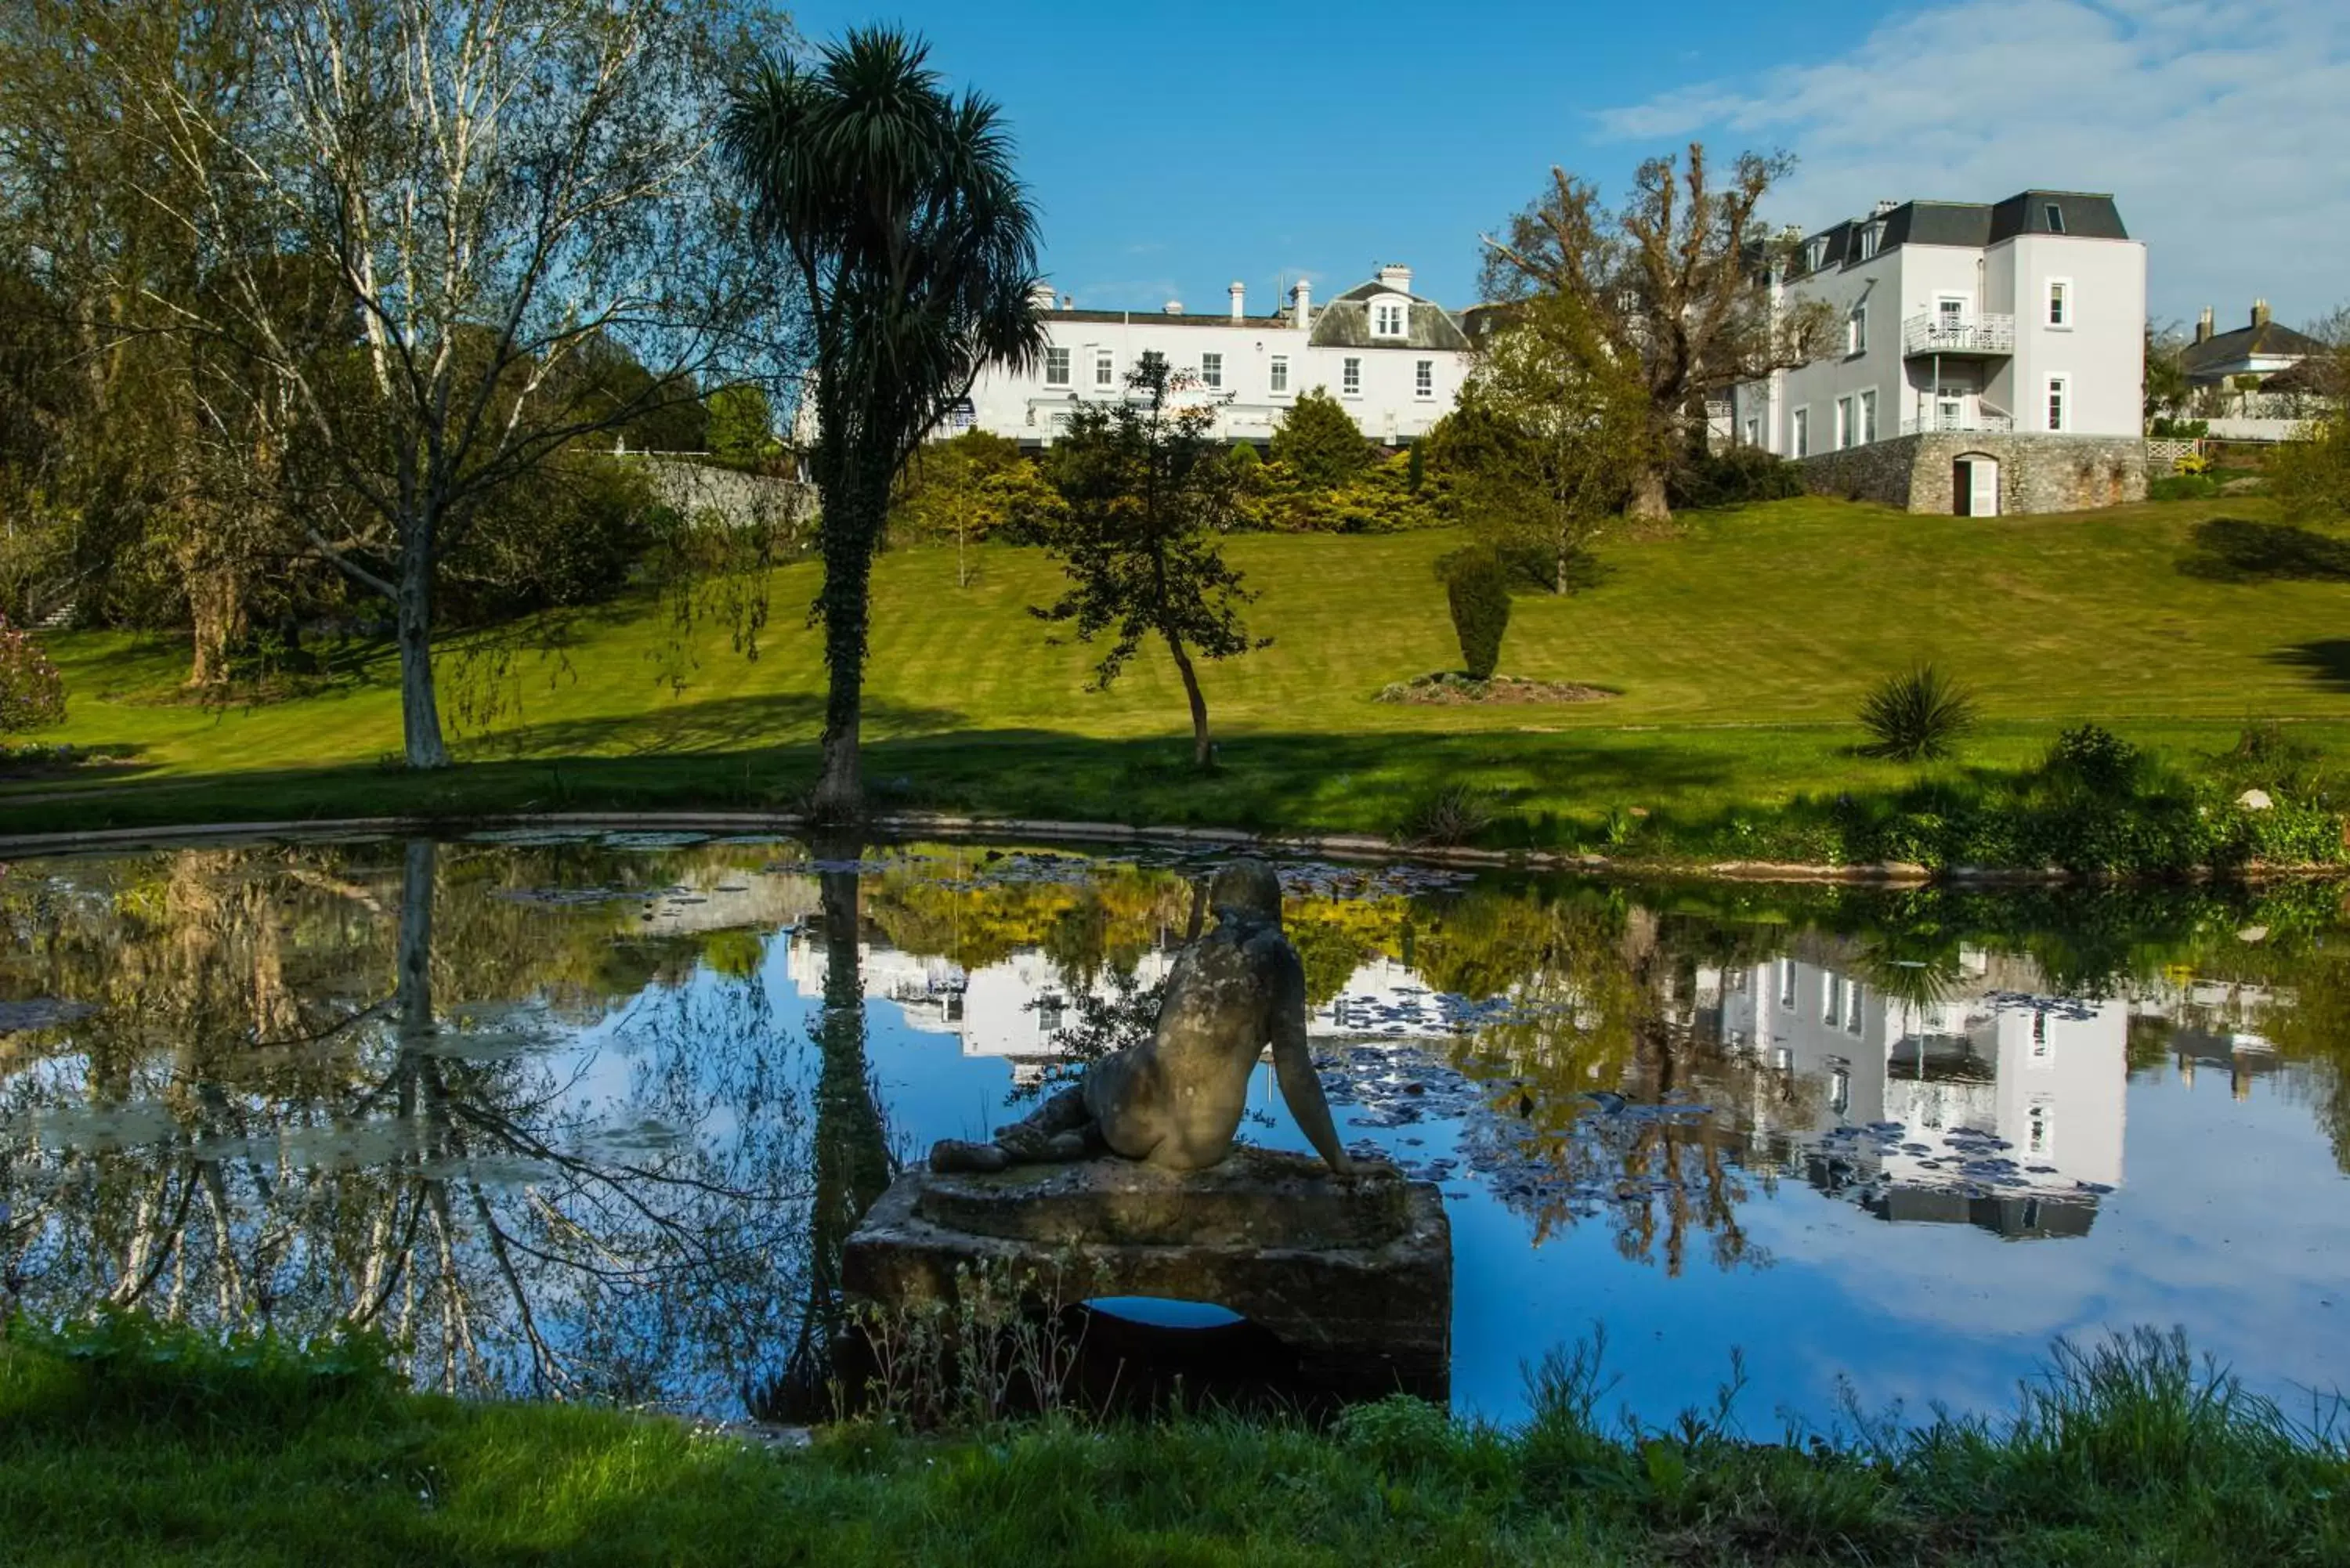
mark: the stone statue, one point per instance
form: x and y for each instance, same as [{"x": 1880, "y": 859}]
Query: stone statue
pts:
[{"x": 1175, "y": 1099}]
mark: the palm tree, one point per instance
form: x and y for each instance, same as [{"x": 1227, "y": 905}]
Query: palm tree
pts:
[{"x": 898, "y": 205}]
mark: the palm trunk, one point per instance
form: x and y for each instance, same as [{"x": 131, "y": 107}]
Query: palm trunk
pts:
[
  {"x": 420, "y": 709},
  {"x": 1203, "y": 753},
  {"x": 850, "y": 529}
]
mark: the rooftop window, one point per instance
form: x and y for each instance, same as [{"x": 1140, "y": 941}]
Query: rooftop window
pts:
[
  {"x": 1386, "y": 318},
  {"x": 2056, "y": 218}
]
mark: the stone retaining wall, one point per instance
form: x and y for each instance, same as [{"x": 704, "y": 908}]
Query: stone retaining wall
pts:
[{"x": 2040, "y": 473}]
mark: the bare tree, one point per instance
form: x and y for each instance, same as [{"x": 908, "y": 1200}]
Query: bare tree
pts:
[
  {"x": 1678, "y": 283},
  {"x": 490, "y": 193}
]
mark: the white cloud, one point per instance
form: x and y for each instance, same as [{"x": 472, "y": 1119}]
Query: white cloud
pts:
[{"x": 2219, "y": 127}]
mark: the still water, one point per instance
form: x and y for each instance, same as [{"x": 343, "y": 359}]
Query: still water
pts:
[{"x": 591, "y": 1115}]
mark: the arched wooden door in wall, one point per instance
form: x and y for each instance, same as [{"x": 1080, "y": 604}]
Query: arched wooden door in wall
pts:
[{"x": 1974, "y": 485}]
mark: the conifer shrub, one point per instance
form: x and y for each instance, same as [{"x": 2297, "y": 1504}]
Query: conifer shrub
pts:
[{"x": 1477, "y": 590}]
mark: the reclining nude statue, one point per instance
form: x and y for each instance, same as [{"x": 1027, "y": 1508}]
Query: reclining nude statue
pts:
[{"x": 1175, "y": 1099}]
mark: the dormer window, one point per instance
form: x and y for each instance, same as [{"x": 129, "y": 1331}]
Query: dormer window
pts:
[
  {"x": 2056, "y": 218},
  {"x": 1816, "y": 255},
  {"x": 1388, "y": 318},
  {"x": 1870, "y": 238}
]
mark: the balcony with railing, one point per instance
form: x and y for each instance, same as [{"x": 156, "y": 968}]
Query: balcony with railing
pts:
[
  {"x": 1939, "y": 334},
  {"x": 1958, "y": 421}
]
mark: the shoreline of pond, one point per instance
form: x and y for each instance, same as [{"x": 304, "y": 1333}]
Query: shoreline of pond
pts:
[{"x": 1349, "y": 847}]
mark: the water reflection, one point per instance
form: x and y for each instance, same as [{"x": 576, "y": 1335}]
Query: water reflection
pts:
[{"x": 596, "y": 1117}]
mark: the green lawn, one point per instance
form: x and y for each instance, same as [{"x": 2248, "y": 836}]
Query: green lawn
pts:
[
  {"x": 120, "y": 1446},
  {"x": 1740, "y": 647}
]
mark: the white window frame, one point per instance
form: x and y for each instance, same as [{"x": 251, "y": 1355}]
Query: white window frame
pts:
[
  {"x": 1423, "y": 379},
  {"x": 2059, "y": 307},
  {"x": 1067, "y": 366},
  {"x": 1105, "y": 370},
  {"x": 1277, "y": 375},
  {"x": 1754, "y": 430},
  {"x": 1966, "y": 303},
  {"x": 1853, "y": 996},
  {"x": 1856, "y": 332},
  {"x": 1350, "y": 376},
  {"x": 1865, "y": 403},
  {"x": 2056, "y": 401},
  {"x": 1816, "y": 255},
  {"x": 1845, "y": 426},
  {"x": 1799, "y": 433},
  {"x": 1391, "y": 318},
  {"x": 1211, "y": 370},
  {"x": 1872, "y": 237}
]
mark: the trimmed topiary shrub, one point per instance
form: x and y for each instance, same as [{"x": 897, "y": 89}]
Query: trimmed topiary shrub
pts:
[
  {"x": 32, "y": 692},
  {"x": 1915, "y": 716},
  {"x": 1477, "y": 589}
]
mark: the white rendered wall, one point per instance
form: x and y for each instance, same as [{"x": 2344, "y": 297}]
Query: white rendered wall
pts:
[{"x": 1389, "y": 407}]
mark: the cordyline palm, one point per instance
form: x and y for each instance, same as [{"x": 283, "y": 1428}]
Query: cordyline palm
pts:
[{"x": 898, "y": 205}]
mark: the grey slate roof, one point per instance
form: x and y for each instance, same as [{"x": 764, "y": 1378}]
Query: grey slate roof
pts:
[
  {"x": 2084, "y": 216},
  {"x": 2244, "y": 343},
  {"x": 1346, "y": 322}
]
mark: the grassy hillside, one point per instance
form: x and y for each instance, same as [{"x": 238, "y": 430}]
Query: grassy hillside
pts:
[{"x": 1739, "y": 647}]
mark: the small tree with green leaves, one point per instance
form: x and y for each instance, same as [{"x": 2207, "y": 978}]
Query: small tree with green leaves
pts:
[
  {"x": 1477, "y": 590},
  {"x": 741, "y": 425},
  {"x": 1147, "y": 493},
  {"x": 1550, "y": 436},
  {"x": 32, "y": 692},
  {"x": 2311, "y": 477},
  {"x": 1320, "y": 443}
]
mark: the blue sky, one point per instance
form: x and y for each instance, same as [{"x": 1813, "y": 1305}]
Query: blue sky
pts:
[{"x": 1174, "y": 149}]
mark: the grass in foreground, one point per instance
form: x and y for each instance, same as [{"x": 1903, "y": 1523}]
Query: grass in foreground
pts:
[
  {"x": 1741, "y": 647},
  {"x": 130, "y": 1445}
]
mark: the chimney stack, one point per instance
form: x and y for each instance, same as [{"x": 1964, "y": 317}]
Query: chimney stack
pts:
[
  {"x": 1173, "y": 307},
  {"x": 1301, "y": 305},
  {"x": 2203, "y": 326},
  {"x": 1040, "y": 296},
  {"x": 1395, "y": 276},
  {"x": 1239, "y": 295},
  {"x": 2259, "y": 313}
]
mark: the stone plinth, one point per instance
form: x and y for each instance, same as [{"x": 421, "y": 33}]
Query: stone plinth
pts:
[{"x": 1355, "y": 1279}]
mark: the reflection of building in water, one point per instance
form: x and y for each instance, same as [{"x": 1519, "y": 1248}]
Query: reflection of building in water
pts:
[
  {"x": 1017, "y": 1009},
  {"x": 1971, "y": 1098}
]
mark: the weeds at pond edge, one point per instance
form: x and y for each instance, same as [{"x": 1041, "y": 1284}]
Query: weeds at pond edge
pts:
[{"x": 129, "y": 1442}]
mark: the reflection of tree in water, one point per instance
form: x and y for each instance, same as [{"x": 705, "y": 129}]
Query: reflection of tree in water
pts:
[
  {"x": 249, "y": 1130},
  {"x": 851, "y": 1153},
  {"x": 1602, "y": 1103}
]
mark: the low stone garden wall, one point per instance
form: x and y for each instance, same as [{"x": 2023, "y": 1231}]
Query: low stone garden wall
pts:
[{"x": 2037, "y": 473}]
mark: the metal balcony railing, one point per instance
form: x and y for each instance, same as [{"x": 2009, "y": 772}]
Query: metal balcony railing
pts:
[
  {"x": 1933, "y": 334},
  {"x": 1939, "y": 424}
]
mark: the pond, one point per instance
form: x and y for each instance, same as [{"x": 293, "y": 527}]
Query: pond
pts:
[{"x": 591, "y": 1115}]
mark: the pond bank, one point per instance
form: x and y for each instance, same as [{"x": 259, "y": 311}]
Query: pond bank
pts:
[
  {"x": 1356, "y": 847},
  {"x": 124, "y": 1442}
]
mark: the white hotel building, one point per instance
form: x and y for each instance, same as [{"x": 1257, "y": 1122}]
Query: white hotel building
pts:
[
  {"x": 1993, "y": 354},
  {"x": 1393, "y": 359}
]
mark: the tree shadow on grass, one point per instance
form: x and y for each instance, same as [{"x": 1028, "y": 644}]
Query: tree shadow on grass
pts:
[
  {"x": 2325, "y": 661},
  {"x": 2234, "y": 550},
  {"x": 719, "y": 724},
  {"x": 1282, "y": 782}
]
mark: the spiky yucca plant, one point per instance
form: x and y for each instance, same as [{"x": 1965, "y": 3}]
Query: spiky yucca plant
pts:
[{"x": 1916, "y": 715}]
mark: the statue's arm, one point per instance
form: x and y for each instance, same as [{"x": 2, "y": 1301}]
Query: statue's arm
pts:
[{"x": 1292, "y": 1066}]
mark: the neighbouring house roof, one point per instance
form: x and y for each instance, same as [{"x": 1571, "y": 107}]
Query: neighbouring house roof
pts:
[
  {"x": 2260, "y": 340},
  {"x": 2082, "y": 214},
  {"x": 1346, "y": 322}
]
